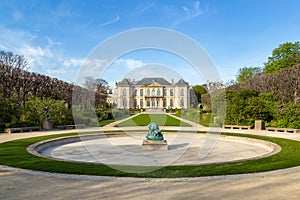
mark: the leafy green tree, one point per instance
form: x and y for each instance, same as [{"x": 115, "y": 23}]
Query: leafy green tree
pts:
[
  {"x": 285, "y": 56},
  {"x": 198, "y": 90},
  {"x": 288, "y": 116},
  {"x": 8, "y": 110},
  {"x": 244, "y": 107},
  {"x": 35, "y": 112},
  {"x": 219, "y": 104},
  {"x": 247, "y": 73}
]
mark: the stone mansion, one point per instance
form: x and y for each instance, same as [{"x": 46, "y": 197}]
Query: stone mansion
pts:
[{"x": 151, "y": 93}]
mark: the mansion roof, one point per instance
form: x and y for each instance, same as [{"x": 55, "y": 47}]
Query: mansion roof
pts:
[{"x": 147, "y": 81}]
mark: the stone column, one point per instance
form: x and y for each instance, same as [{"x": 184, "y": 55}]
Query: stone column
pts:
[
  {"x": 47, "y": 124},
  {"x": 259, "y": 125}
]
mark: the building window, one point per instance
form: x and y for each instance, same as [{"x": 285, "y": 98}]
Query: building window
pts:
[
  {"x": 148, "y": 92},
  {"x": 171, "y": 103},
  {"x": 165, "y": 103},
  {"x": 181, "y": 103},
  {"x": 153, "y": 103},
  {"x": 165, "y": 92},
  {"x": 124, "y": 92},
  {"x": 171, "y": 92},
  {"x": 181, "y": 92},
  {"x": 124, "y": 103},
  {"x": 134, "y": 92},
  {"x": 148, "y": 103},
  {"x": 141, "y": 92},
  {"x": 141, "y": 103},
  {"x": 153, "y": 92},
  {"x": 135, "y": 103},
  {"x": 158, "y": 92}
]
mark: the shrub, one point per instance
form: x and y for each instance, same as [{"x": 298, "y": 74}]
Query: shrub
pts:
[{"x": 21, "y": 124}]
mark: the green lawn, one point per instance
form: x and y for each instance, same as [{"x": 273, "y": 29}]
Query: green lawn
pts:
[
  {"x": 197, "y": 120},
  {"x": 105, "y": 122},
  {"x": 14, "y": 154},
  {"x": 160, "y": 119}
]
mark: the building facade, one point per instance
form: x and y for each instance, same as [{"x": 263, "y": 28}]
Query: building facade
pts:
[{"x": 151, "y": 93}]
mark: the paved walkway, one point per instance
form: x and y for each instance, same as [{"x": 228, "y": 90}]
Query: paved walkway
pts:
[{"x": 26, "y": 184}]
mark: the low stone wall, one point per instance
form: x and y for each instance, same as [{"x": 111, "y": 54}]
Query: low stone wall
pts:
[
  {"x": 283, "y": 130},
  {"x": 236, "y": 127},
  {"x": 22, "y": 129}
]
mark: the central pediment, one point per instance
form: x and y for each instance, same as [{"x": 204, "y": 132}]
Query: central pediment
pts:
[{"x": 153, "y": 84}]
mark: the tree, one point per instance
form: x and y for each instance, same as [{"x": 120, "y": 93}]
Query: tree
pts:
[
  {"x": 285, "y": 56},
  {"x": 195, "y": 95},
  {"x": 12, "y": 60},
  {"x": 59, "y": 114},
  {"x": 244, "y": 107},
  {"x": 12, "y": 68},
  {"x": 99, "y": 87},
  {"x": 247, "y": 73},
  {"x": 199, "y": 90}
]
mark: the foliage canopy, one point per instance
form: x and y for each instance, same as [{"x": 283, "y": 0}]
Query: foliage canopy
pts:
[{"x": 285, "y": 56}]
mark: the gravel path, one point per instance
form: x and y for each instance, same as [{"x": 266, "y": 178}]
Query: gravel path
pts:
[{"x": 25, "y": 185}]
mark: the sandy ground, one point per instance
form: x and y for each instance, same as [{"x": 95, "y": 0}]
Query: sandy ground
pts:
[{"x": 24, "y": 184}]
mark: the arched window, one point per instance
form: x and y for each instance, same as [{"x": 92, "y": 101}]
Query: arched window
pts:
[
  {"x": 171, "y": 103},
  {"x": 148, "y": 103},
  {"x": 158, "y": 92},
  {"x": 141, "y": 103},
  {"x": 148, "y": 92},
  {"x": 165, "y": 92},
  {"x": 135, "y": 103},
  {"x": 171, "y": 92},
  {"x": 153, "y": 103},
  {"x": 134, "y": 92},
  {"x": 181, "y": 103},
  {"x": 165, "y": 103},
  {"x": 141, "y": 92},
  {"x": 124, "y": 92},
  {"x": 181, "y": 92},
  {"x": 124, "y": 103},
  {"x": 153, "y": 92}
]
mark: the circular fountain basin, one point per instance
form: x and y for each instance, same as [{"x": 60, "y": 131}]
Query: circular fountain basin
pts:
[{"x": 183, "y": 149}]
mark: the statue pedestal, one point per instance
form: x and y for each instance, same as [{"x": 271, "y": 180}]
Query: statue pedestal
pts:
[
  {"x": 47, "y": 124},
  {"x": 153, "y": 145}
]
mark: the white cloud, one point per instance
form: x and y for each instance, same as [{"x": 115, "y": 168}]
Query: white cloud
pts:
[
  {"x": 43, "y": 53},
  {"x": 62, "y": 10},
  {"x": 117, "y": 18},
  {"x": 95, "y": 62},
  {"x": 20, "y": 42},
  {"x": 90, "y": 67},
  {"x": 190, "y": 13},
  {"x": 73, "y": 62},
  {"x": 145, "y": 8},
  {"x": 57, "y": 71},
  {"x": 130, "y": 64},
  {"x": 87, "y": 63}
]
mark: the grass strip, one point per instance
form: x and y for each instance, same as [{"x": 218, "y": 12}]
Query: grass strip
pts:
[
  {"x": 160, "y": 119},
  {"x": 14, "y": 154}
]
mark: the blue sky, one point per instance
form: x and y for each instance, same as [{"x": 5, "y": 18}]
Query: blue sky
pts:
[{"x": 57, "y": 36}]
